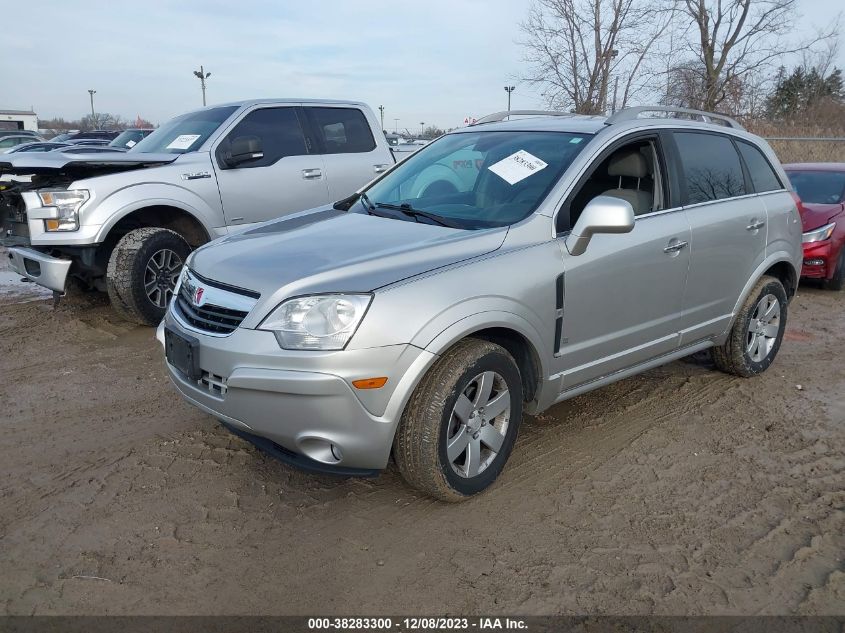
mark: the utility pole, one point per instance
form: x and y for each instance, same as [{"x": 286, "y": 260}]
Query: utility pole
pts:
[
  {"x": 202, "y": 76},
  {"x": 422, "y": 128},
  {"x": 396, "y": 126},
  {"x": 92, "y": 93},
  {"x": 615, "y": 88},
  {"x": 381, "y": 111},
  {"x": 509, "y": 90}
]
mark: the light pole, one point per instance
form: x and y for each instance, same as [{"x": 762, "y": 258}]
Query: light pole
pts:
[
  {"x": 509, "y": 90},
  {"x": 202, "y": 76},
  {"x": 381, "y": 111},
  {"x": 396, "y": 126},
  {"x": 92, "y": 93},
  {"x": 422, "y": 128}
]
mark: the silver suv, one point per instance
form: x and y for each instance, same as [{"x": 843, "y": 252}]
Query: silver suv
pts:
[{"x": 503, "y": 268}]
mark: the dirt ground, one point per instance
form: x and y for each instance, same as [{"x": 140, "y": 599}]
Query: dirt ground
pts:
[{"x": 681, "y": 491}]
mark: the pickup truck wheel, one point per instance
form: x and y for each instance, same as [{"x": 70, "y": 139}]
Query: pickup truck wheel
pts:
[
  {"x": 142, "y": 272},
  {"x": 757, "y": 333},
  {"x": 461, "y": 422},
  {"x": 837, "y": 282}
]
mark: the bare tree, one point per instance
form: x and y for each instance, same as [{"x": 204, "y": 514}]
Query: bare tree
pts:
[
  {"x": 731, "y": 43},
  {"x": 580, "y": 50}
]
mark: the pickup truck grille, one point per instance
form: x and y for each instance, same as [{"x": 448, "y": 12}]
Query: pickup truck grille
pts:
[
  {"x": 13, "y": 226},
  {"x": 210, "y": 307}
]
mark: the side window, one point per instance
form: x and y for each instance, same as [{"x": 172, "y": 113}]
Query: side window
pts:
[
  {"x": 630, "y": 172},
  {"x": 763, "y": 177},
  {"x": 712, "y": 170},
  {"x": 342, "y": 130},
  {"x": 279, "y": 131}
]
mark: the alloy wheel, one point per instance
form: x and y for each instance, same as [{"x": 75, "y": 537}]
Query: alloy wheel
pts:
[
  {"x": 478, "y": 424},
  {"x": 161, "y": 275},
  {"x": 763, "y": 328}
]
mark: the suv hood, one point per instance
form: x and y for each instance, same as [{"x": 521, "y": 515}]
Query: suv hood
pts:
[
  {"x": 815, "y": 215},
  {"x": 325, "y": 250},
  {"x": 79, "y": 165}
]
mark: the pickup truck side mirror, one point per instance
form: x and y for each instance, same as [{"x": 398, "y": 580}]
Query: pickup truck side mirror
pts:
[
  {"x": 603, "y": 214},
  {"x": 243, "y": 149}
]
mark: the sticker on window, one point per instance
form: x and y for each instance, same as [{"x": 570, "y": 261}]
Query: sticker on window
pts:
[
  {"x": 517, "y": 167},
  {"x": 130, "y": 144},
  {"x": 183, "y": 141}
]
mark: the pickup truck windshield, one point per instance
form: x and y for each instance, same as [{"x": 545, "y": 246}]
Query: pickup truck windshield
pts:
[
  {"x": 185, "y": 133},
  {"x": 475, "y": 180}
]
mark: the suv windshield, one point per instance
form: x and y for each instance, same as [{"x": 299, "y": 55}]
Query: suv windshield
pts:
[
  {"x": 185, "y": 133},
  {"x": 818, "y": 187},
  {"x": 475, "y": 180}
]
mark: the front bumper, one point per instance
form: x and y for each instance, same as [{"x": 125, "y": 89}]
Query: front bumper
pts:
[
  {"x": 47, "y": 271},
  {"x": 303, "y": 401},
  {"x": 819, "y": 260}
]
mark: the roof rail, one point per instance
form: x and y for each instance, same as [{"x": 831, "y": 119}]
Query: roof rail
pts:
[
  {"x": 501, "y": 116},
  {"x": 630, "y": 114}
]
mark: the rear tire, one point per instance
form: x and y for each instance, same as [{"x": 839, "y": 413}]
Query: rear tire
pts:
[
  {"x": 142, "y": 272},
  {"x": 837, "y": 282},
  {"x": 757, "y": 332},
  {"x": 444, "y": 445}
]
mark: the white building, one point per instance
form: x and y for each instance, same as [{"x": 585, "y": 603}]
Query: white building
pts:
[{"x": 18, "y": 120}]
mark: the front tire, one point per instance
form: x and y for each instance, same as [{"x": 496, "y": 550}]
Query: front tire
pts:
[
  {"x": 461, "y": 422},
  {"x": 142, "y": 273},
  {"x": 757, "y": 332}
]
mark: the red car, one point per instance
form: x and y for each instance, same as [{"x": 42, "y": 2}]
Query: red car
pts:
[{"x": 821, "y": 187}]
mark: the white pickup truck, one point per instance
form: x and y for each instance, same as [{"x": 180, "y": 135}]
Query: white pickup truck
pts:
[{"x": 124, "y": 223}]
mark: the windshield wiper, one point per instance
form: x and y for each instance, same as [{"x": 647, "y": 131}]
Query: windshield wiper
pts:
[{"x": 408, "y": 210}]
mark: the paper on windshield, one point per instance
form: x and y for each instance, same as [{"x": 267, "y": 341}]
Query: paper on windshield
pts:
[
  {"x": 130, "y": 144},
  {"x": 517, "y": 167},
  {"x": 183, "y": 141}
]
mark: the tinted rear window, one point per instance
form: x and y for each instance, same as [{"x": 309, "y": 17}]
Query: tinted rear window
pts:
[
  {"x": 342, "y": 130},
  {"x": 712, "y": 170},
  {"x": 763, "y": 176}
]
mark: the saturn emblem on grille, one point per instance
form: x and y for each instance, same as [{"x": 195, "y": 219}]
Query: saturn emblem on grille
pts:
[{"x": 198, "y": 296}]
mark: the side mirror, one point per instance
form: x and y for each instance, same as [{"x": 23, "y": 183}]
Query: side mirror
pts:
[
  {"x": 243, "y": 149},
  {"x": 603, "y": 214}
]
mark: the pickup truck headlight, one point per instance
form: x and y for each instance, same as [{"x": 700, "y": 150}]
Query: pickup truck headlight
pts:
[
  {"x": 66, "y": 203},
  {"x": 318, "y": 322},
  {"x": 818, "y": 235}
]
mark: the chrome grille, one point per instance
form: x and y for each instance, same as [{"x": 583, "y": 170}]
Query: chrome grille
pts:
[{"x": 211, "y": 308}]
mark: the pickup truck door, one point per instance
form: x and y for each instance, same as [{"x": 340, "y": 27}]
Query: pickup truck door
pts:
[
  {"x": 289, "y": 177},
  {"x": 351, "y": 153}
]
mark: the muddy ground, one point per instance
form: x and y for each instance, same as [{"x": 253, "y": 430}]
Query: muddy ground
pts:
[{"x": 679, "y": 491}]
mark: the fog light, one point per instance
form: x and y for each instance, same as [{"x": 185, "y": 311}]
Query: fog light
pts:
[{"x": 814, "y": 262}]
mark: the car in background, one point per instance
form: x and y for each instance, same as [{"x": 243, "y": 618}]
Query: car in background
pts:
[
  {"x": 4, "y": 133},
  {"x": 107, "y": 135},
  {"x": 37, "y": 146},
  {"x": 131, "y": 137},
  {"x": 9, "y": 141},
  {"x": 821, "y": 187},
  {"x": 87, "y": 141},
  {"x": 89, "y": 149}
]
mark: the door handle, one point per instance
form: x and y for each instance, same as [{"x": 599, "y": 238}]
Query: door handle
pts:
[
  {"x": 676, "y": 247},
  {"x": 380, "y": 169},
  {"x": 755, "y": 224},
  {"x": 312, "y": 174}
]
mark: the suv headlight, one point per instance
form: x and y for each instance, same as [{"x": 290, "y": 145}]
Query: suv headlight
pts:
[
  {"x": 818, "y": 235},
  {"x": 66, "y": 203},
  {"x": 318, "y": 322}
]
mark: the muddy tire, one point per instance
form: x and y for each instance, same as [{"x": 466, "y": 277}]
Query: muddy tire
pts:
[
  {"x": 757, "y": 332},
  {"x": 837, "y": 282},
  {"x": 461, "y": 422},
  {"x": 142, "y": 271}
]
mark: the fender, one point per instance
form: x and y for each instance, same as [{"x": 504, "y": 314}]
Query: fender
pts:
[
  {"x": 118, "y": 205},
  {"x": 775, "y": 258}
]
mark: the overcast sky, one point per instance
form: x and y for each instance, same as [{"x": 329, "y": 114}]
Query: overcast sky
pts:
[{"x": 436, "y": 61}]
